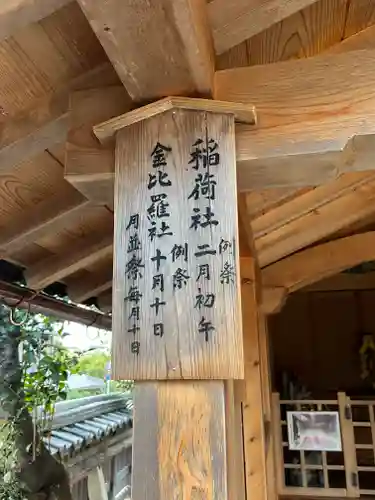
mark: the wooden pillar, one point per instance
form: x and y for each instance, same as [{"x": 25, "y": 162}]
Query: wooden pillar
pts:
[
  {"x": 256, "y": 395},
  {"x": 176, "y": 302}
]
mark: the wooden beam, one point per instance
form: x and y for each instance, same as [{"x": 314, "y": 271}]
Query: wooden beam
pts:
[
  {"x": 257, "y": 203},
  {"x": 233, "y": 21},
  {"x": 364, "y": 39},
  {"x": 16, "y": 14},
  {"x": 42, "y": 221},
  {"x": 273, "y": 299},
  {"x": 319, "y": 262},
  {"x": 344, "y": 282},
  {"x": 159, "y": 48},
  {"x": 90, "y": 166},
  {"x": 46, "y": 123},
  {"x": 313, "y": 216},
  {"x": 309, "y": 111},
  {"x": 100, "y": 281},
  {"x": 58, "y": 267}
]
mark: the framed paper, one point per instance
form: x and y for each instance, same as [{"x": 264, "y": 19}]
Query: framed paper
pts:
[{"x": 314, "y": 430}]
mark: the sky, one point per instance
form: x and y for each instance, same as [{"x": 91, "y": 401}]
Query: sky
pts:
[{"x": 83, "y": 337}]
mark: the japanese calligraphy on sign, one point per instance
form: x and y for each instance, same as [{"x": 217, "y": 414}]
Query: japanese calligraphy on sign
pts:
[{"x": 176, "y": 252}]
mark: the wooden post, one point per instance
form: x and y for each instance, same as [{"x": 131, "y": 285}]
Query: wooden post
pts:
[
  {"x": 176, "y": 302},
  {"x": 256, "y": 395}
]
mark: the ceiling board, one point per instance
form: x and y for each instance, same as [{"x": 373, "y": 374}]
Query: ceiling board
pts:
[
  {"x": 305, "y": 33},
  {"x": 43, "y": 57},
  {"x": 29, "y": 185}
]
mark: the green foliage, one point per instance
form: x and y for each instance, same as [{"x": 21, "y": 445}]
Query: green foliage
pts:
[
  {"x": 46, "y": 364},
  {"x": 38, "y": 380},
  {"x": 93, "y": 364}
]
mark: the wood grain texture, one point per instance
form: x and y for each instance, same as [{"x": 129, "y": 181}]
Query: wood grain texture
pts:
[
  {"x": 31, "y": 188},
  {"x": 179, "y": 447},
  {"x": 310, "y": 31},
  {"x": 158, "y": 49},
  {"x": 184, "y": 351},
  {"x": 45, "y": 56},
  {"x": 307, "y": 201},
  {"x": 253, "y": 425},
  {"x": 42, "y": 221},
  {"x": 266, "y": 374},
  {"x": 262, "y": 201},
  {"x": 317, "y": 223},
  {"x": 234, "y": 434},
  {"x": 97, "y": 282},
  {"x": 364, "y": 39},
  {"x": 16, "y": 14},
  {"x": 58, "y": 267},
  {"x": 243, "y": 113},
  {"x": 304, "y": 107},
  {"x": 344, "y": 281},
  {"x": 235, "y": 21},
  {"x": 45, "y": 124},
  {"x": 322, "y": 261},
  {"x": 90, "y": 166}
]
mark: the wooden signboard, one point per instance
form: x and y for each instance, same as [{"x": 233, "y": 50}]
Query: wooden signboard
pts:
[{"x": 176, "y": 275}]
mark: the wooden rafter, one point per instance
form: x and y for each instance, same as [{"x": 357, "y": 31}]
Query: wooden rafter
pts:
[
  {"x": 46, "y": 123},
  {"x": 319, "y": 262},
  {"x": 315, "y": 216},
  {"x": 16, "y": 14},
  {"x": 42, "y": 222},
  {"x": 159, "y": 48},
  {"x": 56, "y": 268},
  {"x": 100, "y": 281},
  {"x": 344, "y": 281},
  {"x": 233, "y": 21}
]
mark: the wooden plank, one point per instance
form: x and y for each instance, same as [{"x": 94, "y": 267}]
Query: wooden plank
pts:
[
  {"x": 171, "y": 55},
  {"x": 98, "y": 282},
  {"x": 89, "y": 166},
  {"x": 243, "y": 113},
  {"x": 319, "y": 262},
  {"x": 96, "y": 487},
  {"x": 46, "y": 123},
  {"x": 266, "y": 375},
  {"x": 232, "y": 22},
  {"x": 234, "y": 432},
  {"x": 273, "y": 299},
  {"x": 259, "y": 202},
  {"x": 316, "y": 224},
  {"x": 179, "y": 441},
  {"x": 16, "y": 14},
  {"x": 58, "y": 267},
  {"x": 172, "y": 341},
  {"x": 344, "y": 281},
  {"x": 348, "y": 445},
  {"x": 42, "y": 221},
  {"x": 307, "y": 201},
  {"x": 304, "y": 34},
  {"x": 364, "y": 39},
  {"x": 308, "y": 112},
  {"x": 253, "y": 424}
]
